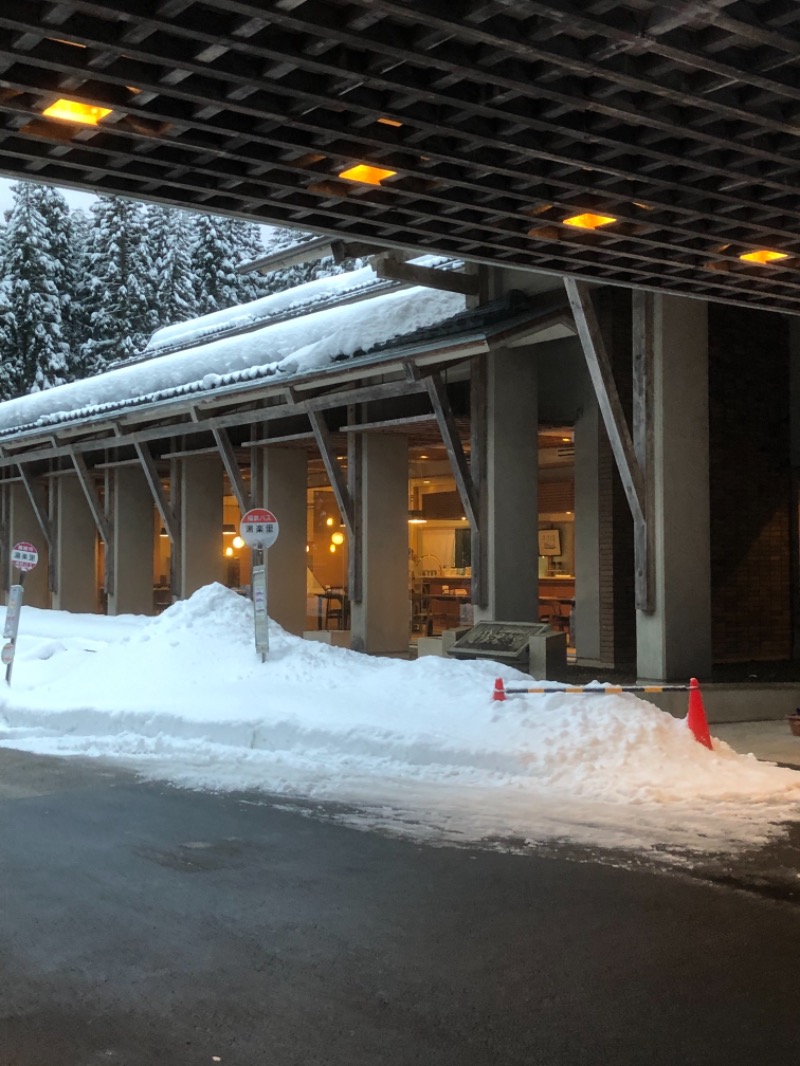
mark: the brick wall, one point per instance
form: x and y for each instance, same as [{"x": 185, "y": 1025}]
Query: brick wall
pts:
[{"x": 750, "y": 485}]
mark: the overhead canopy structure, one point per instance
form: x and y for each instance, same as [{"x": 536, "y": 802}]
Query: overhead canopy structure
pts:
[{"x": 650, "y": 144}]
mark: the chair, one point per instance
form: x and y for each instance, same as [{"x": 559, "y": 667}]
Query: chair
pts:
[
  {"x": 337, "y": 608},
  {"x": 560, "y": 621}
]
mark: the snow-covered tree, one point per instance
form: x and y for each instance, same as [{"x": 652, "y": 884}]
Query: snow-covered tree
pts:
[
  {"x": 115, "y": 296},
  {"x": 34, "y": 347},
  {"x": 280, "y": 239},
  {"x": 59, "y": 222},
  {"x": 172, "y": 296},
  {"x": 214, "y": 259}
]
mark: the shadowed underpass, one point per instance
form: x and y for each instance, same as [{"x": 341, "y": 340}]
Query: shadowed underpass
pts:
[{"x": 140, "y": 924}]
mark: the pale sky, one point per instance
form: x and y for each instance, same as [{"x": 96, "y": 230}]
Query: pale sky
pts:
[{"x": 73, "y": 198}]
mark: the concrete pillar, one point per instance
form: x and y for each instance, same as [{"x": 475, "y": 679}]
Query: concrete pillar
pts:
[
  {"x": 132, "y": 520},
  {"x": 586, "y": 635},
  {"x": 201, "y": 489},
  {"x": 284, "y": 485},
  {"x": 22, "y": 525},
  {"x": 380, "y": 623},
  {"x": 674, "y": 642},
  {"x": 512, "y": 469},
  {"x": 75, "y": 549}
]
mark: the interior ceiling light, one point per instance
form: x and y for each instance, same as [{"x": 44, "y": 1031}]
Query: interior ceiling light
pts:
[
  {"x": 588, "y": 220},
  {"x": 73, "y": 111},
  {"x": 763, "y": 255},
  {"x": 389, "y": 122},
  {"x": 366, "y": 175},
  {"x": 337, "y": 538}
]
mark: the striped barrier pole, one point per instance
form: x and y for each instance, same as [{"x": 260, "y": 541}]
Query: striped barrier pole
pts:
[{"x": 695, "y": 718}]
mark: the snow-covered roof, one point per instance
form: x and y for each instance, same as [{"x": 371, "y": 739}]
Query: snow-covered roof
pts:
[
  {"x": 287, "y": 348},
  {"x": 291, "y": 303}
]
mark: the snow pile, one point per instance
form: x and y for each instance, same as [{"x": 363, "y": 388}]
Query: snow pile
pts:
[{"x": 420, "y": 743}]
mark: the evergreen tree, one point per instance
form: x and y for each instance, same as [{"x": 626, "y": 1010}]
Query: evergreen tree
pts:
[
  {"x": 59, "y": 223},
  {"x": 214, "y": 258},
  {"x": 34, "y": 354},
  {"x": 248, "y": 246},
  {"x": 116, "y": 295},
  {"x": 83, "y": 286},
  {"x": 280, "y": 239},
  {"x": 172, "y": 296}
]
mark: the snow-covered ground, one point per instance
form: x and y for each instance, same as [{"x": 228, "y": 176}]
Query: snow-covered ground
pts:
[{"x": 417, "y": 748}]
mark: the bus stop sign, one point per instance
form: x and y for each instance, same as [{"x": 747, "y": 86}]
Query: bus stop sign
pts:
[
  {"x": 24, "y": 556},
  {"x": 259, "y": 528}
]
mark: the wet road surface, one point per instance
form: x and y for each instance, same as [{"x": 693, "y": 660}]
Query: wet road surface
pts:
[{"x": 143, "y": 925}]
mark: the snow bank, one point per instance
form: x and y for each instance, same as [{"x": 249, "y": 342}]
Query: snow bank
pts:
[{"x": 186, "y": 697}]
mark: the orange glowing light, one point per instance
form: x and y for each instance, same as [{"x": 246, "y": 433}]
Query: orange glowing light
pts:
[
  {"x": 367, "y": 175},
  {"x": 589, "y": 221},
  {"x": 73, "y": 111},
  {"x": 763, "y": 255}
]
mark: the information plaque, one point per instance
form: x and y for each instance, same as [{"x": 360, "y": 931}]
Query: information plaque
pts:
[{"x": 505, "y": 642}]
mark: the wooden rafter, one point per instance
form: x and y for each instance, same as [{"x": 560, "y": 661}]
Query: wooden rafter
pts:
[
  {"x": 459, "y": 464},
  {"x": 677, "y": 119},
  {"x": 336, "y": 476},
  {"x": 243, "y": 495},
  {"x": 102, "y": 519}
]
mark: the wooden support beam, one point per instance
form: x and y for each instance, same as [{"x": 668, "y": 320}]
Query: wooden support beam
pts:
[
  {"x": 389, "y": 424},
  {"x": 643, "y": 445},
  {"x": 243, "y": 496},
  {"x": 42, "y": 511},
  {"x": 344, "y": 250},
  {"x": 455, "y": 450},
  {"x": 392, "y": 268},
  {"x": 355, "y": 475},
  {"x": 39, "y": 507},
  {"x": 335, "y": 475},
  {"x": 478, "y": 462},
  {"x": 608, "y": 400},
  {"x": 168, "y": 516},
  {"x": 101, "y": 519},
  {"x": 5, "y": 547}
]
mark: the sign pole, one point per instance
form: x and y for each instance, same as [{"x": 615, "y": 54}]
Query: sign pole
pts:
[
  {"x": 24, "y": 557},
  {"x": 259, "y": 530}
]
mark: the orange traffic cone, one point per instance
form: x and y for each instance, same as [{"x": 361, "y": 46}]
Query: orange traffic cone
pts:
[
  {"x": 499, "y": 690},
  {"x": 696, "y": 716}
]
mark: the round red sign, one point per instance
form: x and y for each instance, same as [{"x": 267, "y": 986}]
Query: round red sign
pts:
[
  {"x": 24, "y": 555},
  {"x": 259, "y": 528}
]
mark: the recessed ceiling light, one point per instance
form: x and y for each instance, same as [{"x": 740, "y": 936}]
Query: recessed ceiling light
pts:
[
  {"x": 73, "y": 111},
  {"x": 763, "y": 255},
  {"x": 389, "y": 122},
  {"x": 589, "y": 221},
  {"x": 367, "y": 175}
]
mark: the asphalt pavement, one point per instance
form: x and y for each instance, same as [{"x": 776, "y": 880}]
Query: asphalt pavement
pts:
[{"x": 143, "y": 925}]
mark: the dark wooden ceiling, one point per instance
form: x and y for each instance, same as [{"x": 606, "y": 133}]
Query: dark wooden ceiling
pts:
[{"x": 679, "y": 118}]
